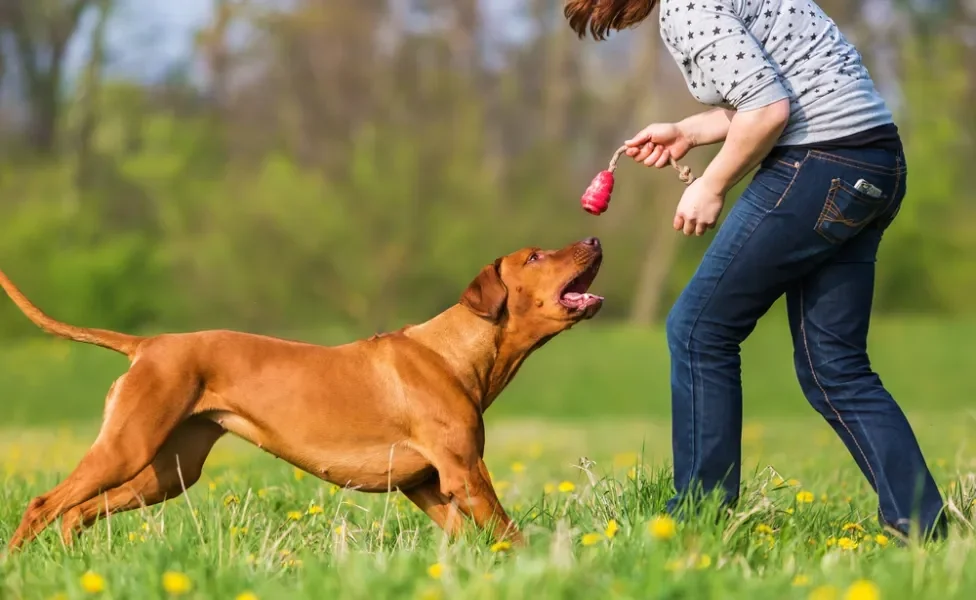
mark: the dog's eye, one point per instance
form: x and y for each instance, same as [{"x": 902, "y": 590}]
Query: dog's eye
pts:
[{"x": 532, "y": 257}]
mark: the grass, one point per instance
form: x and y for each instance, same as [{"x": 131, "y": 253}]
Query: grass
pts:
[{"x": 581, "y": 439}]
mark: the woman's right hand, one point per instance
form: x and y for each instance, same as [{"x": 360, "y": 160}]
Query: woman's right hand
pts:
[{"x": 658, "y": 143}]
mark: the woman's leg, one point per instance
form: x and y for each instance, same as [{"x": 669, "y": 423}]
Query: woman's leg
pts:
[
  {"x": 829, "y": 312},
  {"x": 741, "y": 275},
  {"x": 802, "y": 211}
]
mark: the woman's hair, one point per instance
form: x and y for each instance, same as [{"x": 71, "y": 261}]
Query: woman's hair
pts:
[{"x": 603, "y": 16}]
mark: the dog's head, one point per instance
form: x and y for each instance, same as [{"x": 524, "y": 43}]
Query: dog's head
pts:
[{"x": 538, "y": 292}]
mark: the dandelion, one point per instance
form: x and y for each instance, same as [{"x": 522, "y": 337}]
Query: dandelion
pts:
[
  {"x": 764, "y": 529},
  {"x": 435, "y": 570},
  {"x": 93, "y": 583},
  {"x": 881, "y": 540},
  {"x": 566, "y": 487},
  {"x": 672, "y": 565},
  {"x": 232, "y": 499},
  {"x": 804, "y": 497},
  {"x": 801, "y": 581},
  {"x": 315, "y": 509},
  {"x": 212, "y": 485},
  {"x": 298, "y": 473},
  {"x": 862, "y": 590},
  {"x": 262, "y": 493},
  {"x": 704, "y": 561},
  {"x": 591, "y": 538},
  {"x": 333, "y": 490},
  {"x": 846, "y": 543},
  {"x": 501, "y": 546},
  {"x": 632, "y": 473},
  {"x": 294, "y": 515},
  {"x": 518, "y": 467},
  {"x": 611, "y": 529},
  {"x": 246, "y": 596},
  {"x": 789, "y": 510},
  {"x": 852, "y": 527},
  {"x": 824, "y": 592},
  {"x": 831, "y": 541},
  {"x": 777, "y": 480},
  {"x": 176, "y": 583},
  {"x": 662, "y": 528}
]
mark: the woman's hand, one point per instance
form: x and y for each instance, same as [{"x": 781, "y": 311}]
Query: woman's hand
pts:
[
  {"x": 699, "y": 208},
  {"x": 658, "y": 143}
]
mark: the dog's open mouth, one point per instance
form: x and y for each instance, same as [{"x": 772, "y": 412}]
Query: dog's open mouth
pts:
[{"x": 575, "y": 295}]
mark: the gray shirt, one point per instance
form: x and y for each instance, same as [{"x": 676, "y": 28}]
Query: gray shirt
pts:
[{"x": 747, "y": 54}]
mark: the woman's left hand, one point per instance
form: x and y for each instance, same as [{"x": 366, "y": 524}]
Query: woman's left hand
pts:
[{"x": 699, "y": 208}]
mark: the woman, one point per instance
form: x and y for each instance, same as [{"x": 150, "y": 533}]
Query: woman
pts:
[{"x": 794, "y": 99}]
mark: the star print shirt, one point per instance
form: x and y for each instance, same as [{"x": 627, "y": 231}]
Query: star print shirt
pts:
[{"x": 747, "y": 54}]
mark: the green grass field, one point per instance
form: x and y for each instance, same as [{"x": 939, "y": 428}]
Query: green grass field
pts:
[{"x": 579, "y": 450}]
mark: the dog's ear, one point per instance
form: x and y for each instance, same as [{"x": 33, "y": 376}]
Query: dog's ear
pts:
[{"x": 486, "y": 295}]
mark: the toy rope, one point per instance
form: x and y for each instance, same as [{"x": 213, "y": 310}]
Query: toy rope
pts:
[{"x": 684, "y": 171}]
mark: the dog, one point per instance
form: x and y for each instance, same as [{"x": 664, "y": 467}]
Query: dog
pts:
[{"x": 397, "y": 411}]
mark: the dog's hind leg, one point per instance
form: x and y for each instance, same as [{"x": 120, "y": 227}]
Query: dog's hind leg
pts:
[
  {"x": 176, "y": 467},
  {"x": 144, "y": 406}
]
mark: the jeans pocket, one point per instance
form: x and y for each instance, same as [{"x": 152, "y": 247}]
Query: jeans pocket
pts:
[{"x": 847, "y": 211}]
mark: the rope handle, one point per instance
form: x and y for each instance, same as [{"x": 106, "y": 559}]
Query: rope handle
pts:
[{"x": 684, "y": 171}]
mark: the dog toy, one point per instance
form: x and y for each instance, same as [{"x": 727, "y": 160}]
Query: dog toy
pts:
[{"x": 596, "y": 198}]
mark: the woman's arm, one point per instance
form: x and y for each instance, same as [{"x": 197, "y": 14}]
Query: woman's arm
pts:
[
  {"x": 709, "y": 127},
  {"x": 750, "y": 135}
]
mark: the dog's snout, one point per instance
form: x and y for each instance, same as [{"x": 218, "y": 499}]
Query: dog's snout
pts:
[{"x": 592, "y": 241}]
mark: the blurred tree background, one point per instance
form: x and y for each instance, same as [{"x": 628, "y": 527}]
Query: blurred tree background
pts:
[{"x": 353, "y": 163}]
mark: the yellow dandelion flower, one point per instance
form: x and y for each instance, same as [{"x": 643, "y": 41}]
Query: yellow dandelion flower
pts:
[
  {"x": 777, "y": 480},
  {"x": 341, "y": 529},
  {"x": 846, "y": 543},
  {"x": 212, "y": 485},
  {"x": 294, "y": 515},
  {"x": 315, "y": 509},
  {"x": 823, "y": 592},
  {"x": 548, "y": 488},
  {"x": 246, "y": 596},
  {"x": 831, "y": 541},
  {"x": 662, "y": 528},
  {"x": 501, "y": 546},
  {"x": 145, "y": 526},
  {"x": 852, "y": 527},
  {"x": 93, "y": 583},
  {"x": 881, "y": 539},
  {"x": 823, "y": 497},
  {"x": 176, "y": 583},
  {"x": 333, "y": 490},
  {"x": 133, "y": 536},
  {"x": 704, "y": 561},
  {"x": 801, "y": 580},
  {"x": 566, "y": 487},
  {"x": 590, "y": 539},
  {"x": 862, "y": 590},
  {"x": 804, "y": 497},
  {"x": 435, "y": 570},
  {"x": 762, "y": 528},
  {"x": 262, "y": 493},
  {"x": 298, "y": 473},
  {"x": 789, "y": 510},
  {"x": 231, "y": 500},
  {"x": 518, "y": 467},
  {"x": 672, "y": 565},
  {"x": 612, "y": 529},
  {"x": 632, "y": 473}
]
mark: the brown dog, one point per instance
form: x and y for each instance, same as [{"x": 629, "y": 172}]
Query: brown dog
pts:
[{"x": 401, "y": 410}]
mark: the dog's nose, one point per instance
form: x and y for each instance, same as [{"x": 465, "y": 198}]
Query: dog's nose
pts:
[{"x": 592, "y": 241}]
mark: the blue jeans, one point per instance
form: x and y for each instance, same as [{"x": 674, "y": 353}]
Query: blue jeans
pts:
[{"x": 801, "y": 228}]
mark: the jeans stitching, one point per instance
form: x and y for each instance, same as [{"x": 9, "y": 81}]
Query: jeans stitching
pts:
[
  {"x": 856, "y": 163},
  {"x": 696, "y": 377},
  {"x": 816, "y": 380}
]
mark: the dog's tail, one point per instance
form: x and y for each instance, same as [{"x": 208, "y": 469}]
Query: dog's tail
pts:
[{"x": 120, "y": 342}]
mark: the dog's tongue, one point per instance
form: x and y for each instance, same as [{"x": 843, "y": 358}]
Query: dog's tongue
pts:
[{"x": 578, "y": 299}]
